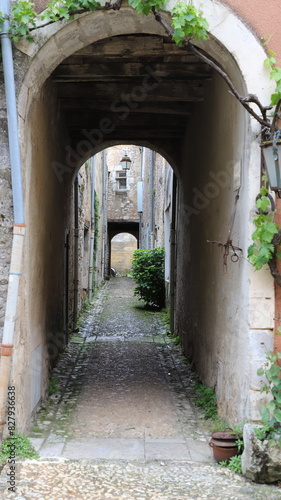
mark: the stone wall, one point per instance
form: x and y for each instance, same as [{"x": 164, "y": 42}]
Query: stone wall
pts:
[
  {"x": 122, "y": 201},
  {"x": 152, "y": 218}
]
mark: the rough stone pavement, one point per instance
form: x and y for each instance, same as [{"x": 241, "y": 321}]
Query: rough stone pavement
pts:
[{"x": 122, "y": 424}]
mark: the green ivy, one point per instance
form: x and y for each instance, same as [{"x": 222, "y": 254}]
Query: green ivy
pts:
[
  {"x": 275, "y": 74},
  {"x": 187, "y": 21},
  {"x": 66, "y": 8},
  {"x": 22, "y": 19},
  {"x": 262, "y": 250},
  {"x": 271, "y": 411},
  {"x": 146, "y": 6}
]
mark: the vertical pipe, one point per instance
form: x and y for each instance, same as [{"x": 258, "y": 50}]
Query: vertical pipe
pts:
[
  {"x": 10, "y": 91},
  {"x": 104, "y": 169},
  {"x": 152, "y": 199},
  {"x": 76, "y": 252},
  {"x": 140, "y": 213},
  {"x": 173, "y": 255},
  {"x": 91, "y": 263},
  {"x": 6, "y": 348},
  {"x": 66, "y": 285}
]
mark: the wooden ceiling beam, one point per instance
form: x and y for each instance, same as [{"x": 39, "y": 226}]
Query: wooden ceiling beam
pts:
[
  {"x": 92, "y": 71},
  {"x": 173, "y": 108},
  {"x": 140, "y": 46},
  {"x": 131, "y": 134},
  {"x": 151, "y": 91},
  {"x": 90, "y": 120}
]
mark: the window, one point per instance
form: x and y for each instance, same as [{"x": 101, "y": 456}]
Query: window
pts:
[{"x": 121, "y": 180}]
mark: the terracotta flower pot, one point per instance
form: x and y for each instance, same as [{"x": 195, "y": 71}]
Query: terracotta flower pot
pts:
[{"x": 224, "y": 445}]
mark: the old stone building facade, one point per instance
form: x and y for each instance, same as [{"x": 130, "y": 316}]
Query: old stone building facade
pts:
[{"x": 112, "y": 78}]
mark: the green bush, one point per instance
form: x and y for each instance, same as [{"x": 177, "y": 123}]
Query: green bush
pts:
[
  {"x": 148, "y": 273},
  {"x": 21, "y": 446}
]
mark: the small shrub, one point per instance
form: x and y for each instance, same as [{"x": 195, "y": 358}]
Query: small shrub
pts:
[
  {"x": 21, "y": 446},
  {"x": 271, "y": 411},
  {"x": 206, "y": 399},
  {"x": 53, "y": 385},
  {"x": 234, "y": 464},
  {"x": 148, "y": 273}
]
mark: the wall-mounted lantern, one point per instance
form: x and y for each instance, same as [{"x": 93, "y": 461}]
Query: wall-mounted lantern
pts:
[
  {"x": 271, "y": 150},
  {"x": 126, "y": 162},
  {"x": 272, "y": 158}
]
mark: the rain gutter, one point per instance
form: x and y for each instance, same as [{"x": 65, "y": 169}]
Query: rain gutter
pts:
[
  {"x": 6, "y": 347},
  {"x": 92, "y": 241}
]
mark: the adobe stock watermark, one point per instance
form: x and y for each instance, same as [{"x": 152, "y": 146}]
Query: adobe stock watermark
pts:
[
  {"x": 94, "y": 137},
  {"x": 211, "y": 190}
]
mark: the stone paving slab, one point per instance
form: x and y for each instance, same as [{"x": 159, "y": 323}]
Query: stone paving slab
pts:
[
  {"x": 149, "y": 449},
  {"x": 166, "y": 449},
  {"x": 130, "y": 449}
]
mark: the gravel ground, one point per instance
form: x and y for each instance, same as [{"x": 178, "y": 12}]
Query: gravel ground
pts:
[{"x": 123, "y": 379}]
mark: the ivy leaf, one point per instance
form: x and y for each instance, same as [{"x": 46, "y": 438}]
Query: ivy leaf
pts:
[
  {"x": 271, "y": 406},
  {"x": 265, "y": 415},
  {"x": 277, "y": 415},
  {"x": 260, "y": 372},
  {"x": 269, "y": 62},
  {"x": 275, "y": 98},
  {"x": 262, "y": 203},
  {"x": 275, "y": 74}
]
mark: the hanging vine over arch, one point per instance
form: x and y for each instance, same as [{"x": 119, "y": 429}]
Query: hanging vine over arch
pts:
[{"x": 187, "y": 24}]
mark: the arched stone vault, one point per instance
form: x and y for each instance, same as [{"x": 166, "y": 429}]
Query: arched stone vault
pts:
[{"x": 204, "y": 140}]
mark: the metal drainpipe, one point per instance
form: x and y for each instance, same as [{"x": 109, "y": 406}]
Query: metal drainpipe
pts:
[
  {"x": 91, "y": 264},
  {"x": 173, "y": 256},
  {"x": 140, "y": 245},
  {"x": 152, "y": 200},
  {"x": 6, "y": 347},
  {"x": 76, "y": 255},
  {"x": 104, "y": 170}
]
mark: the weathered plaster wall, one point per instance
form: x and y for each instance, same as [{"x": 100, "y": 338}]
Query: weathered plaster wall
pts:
[
  {"x": 152, "y": 218},
  {"x": 263, "y": 18},
  {"x": 214, "y": 316},
  {"x": 39, "y": 333}
]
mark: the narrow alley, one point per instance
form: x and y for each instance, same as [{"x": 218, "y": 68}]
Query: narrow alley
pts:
[{"x": 121, "y": 423}]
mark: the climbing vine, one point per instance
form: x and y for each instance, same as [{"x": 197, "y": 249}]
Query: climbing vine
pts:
[
  {"x": 271, "y": 411},
  {"x": 275, "y": 74},
  {"x": 187, "y": 20},
  {"x": 262, "y": 250}
]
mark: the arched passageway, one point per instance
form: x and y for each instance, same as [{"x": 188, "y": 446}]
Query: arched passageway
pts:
[
  {"x": 120, "y": 80},
  {"x": 123, "y": 246}
]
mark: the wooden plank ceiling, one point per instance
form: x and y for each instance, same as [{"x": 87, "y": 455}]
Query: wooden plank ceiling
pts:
[{"x": 145, "y": 85}]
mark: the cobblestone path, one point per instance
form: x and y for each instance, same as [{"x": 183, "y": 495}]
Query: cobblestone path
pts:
[{"x": 122, "y": 424}]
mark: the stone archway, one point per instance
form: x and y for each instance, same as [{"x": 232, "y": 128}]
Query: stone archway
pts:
[{"x": 49, "y": 170}]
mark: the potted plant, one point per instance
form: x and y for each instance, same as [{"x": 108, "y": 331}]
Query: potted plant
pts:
[{"x": 225, "y": 444}]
